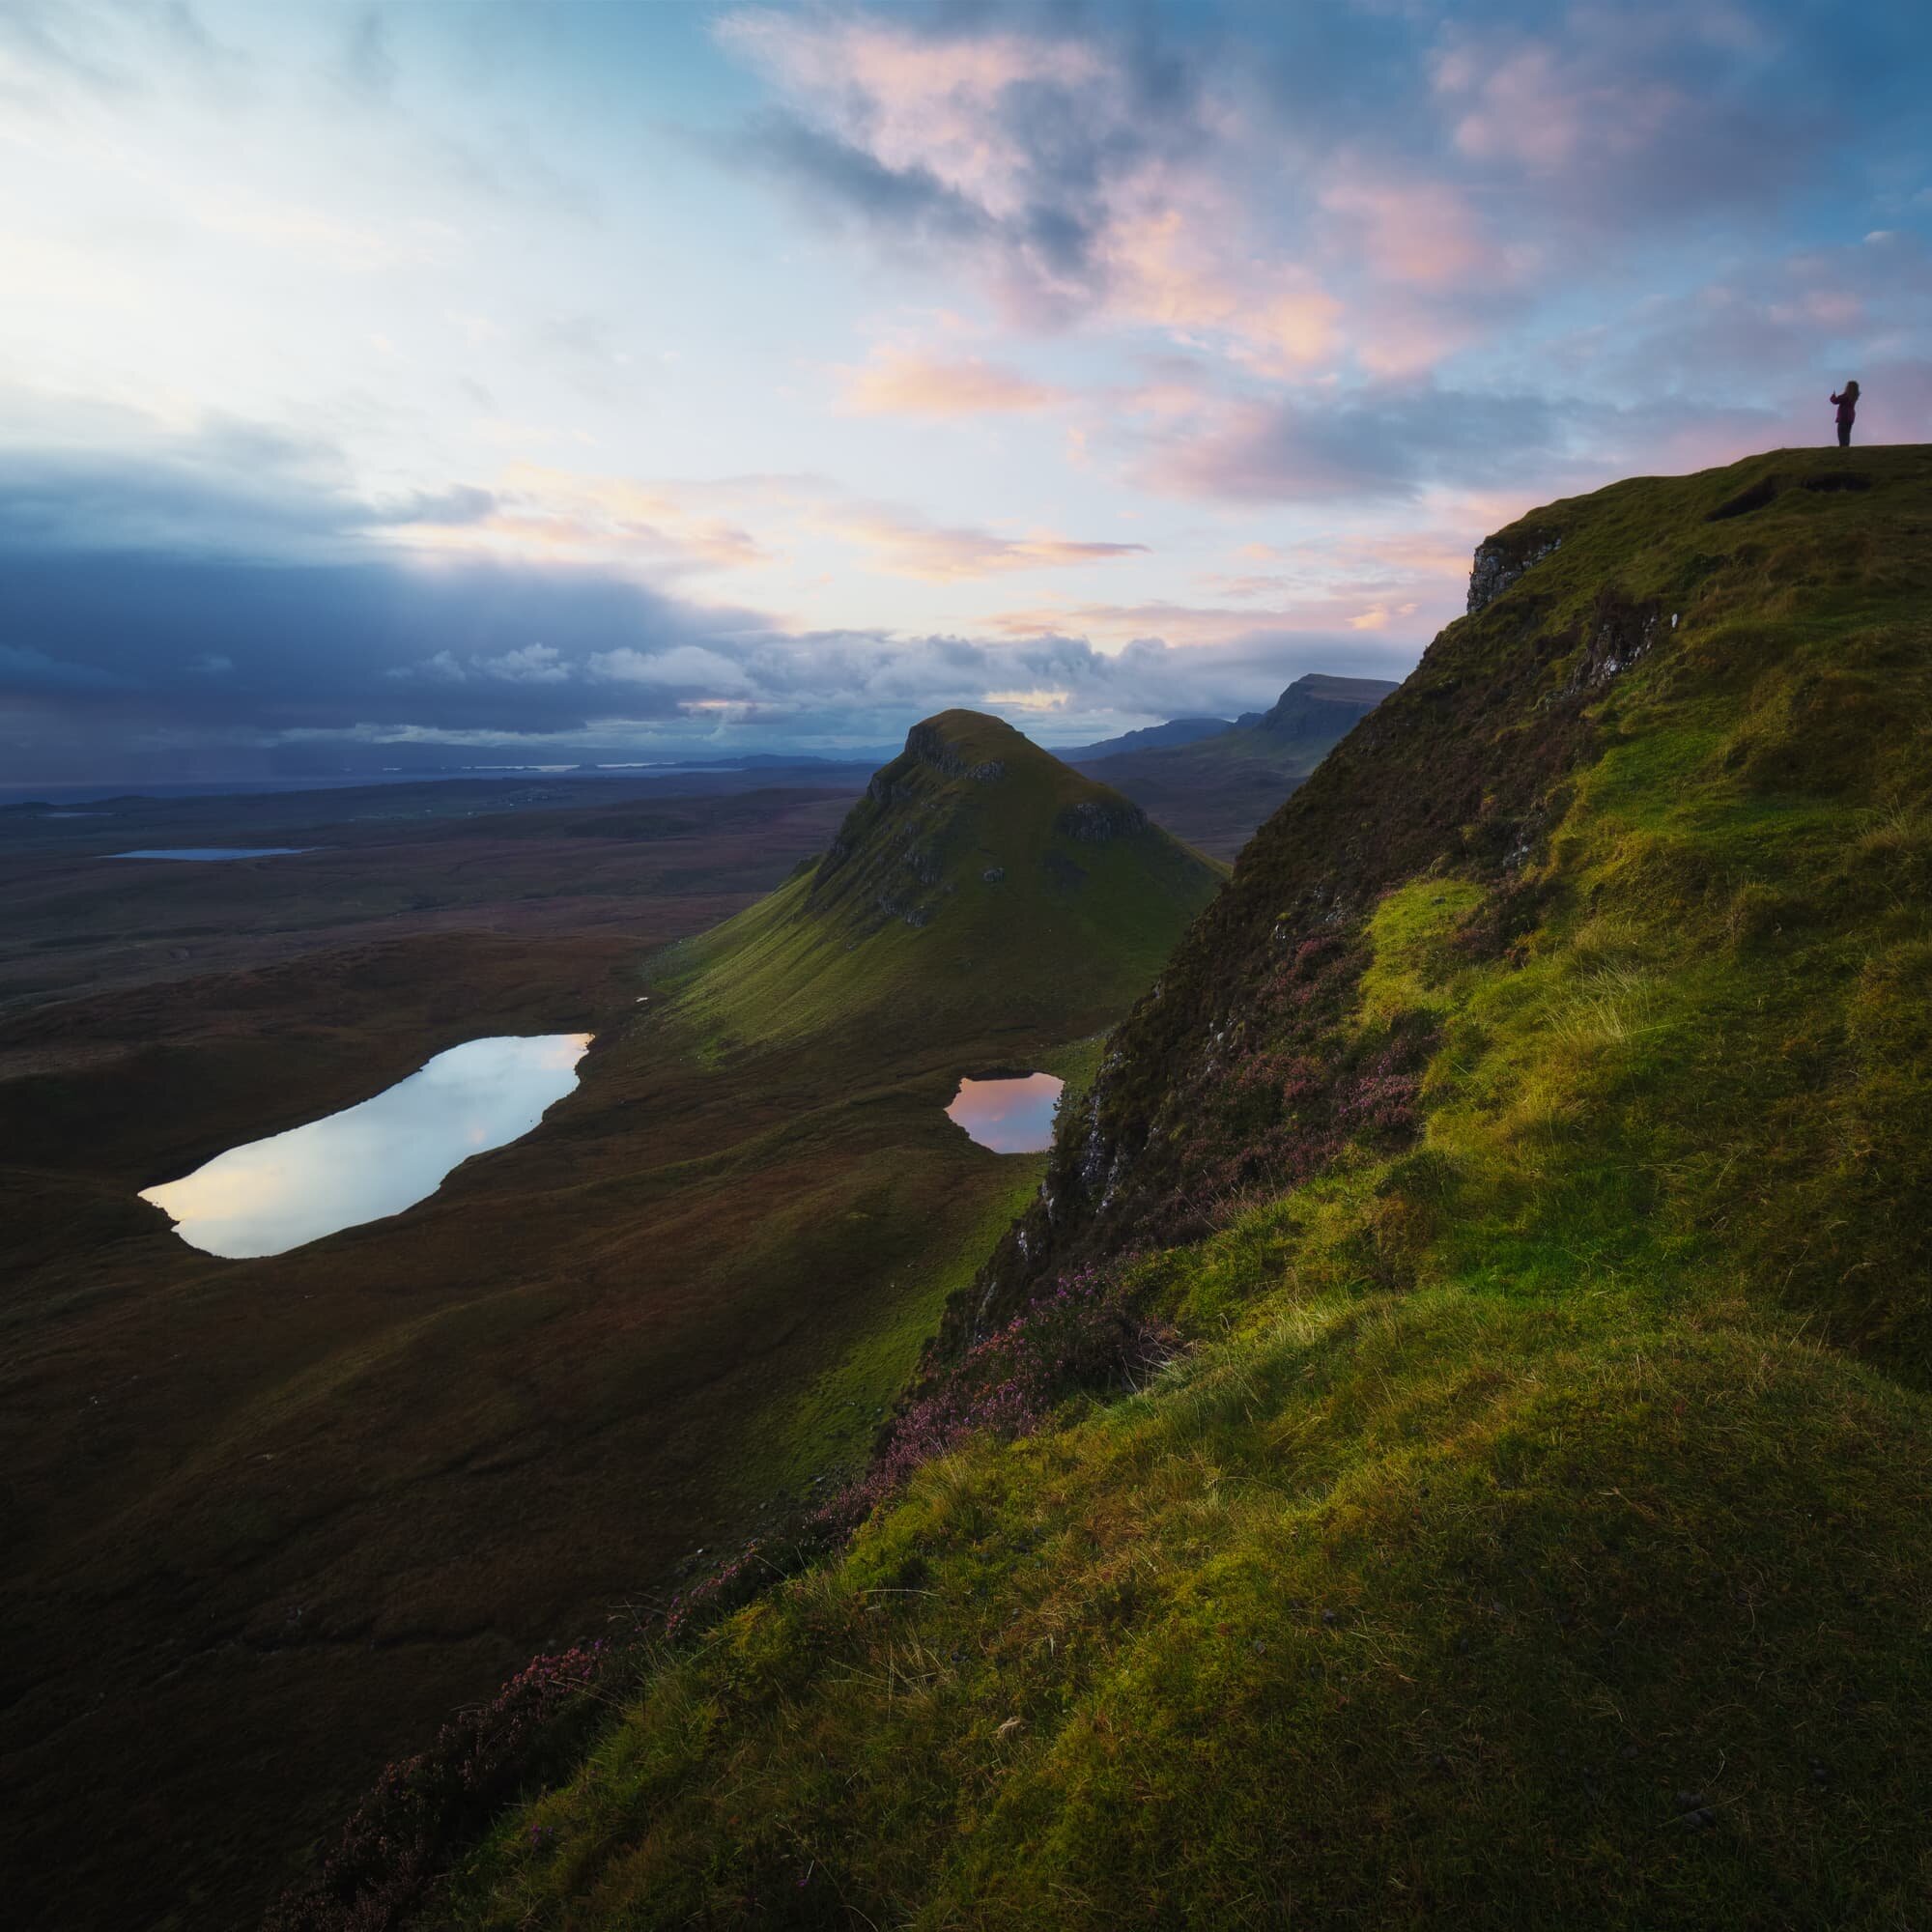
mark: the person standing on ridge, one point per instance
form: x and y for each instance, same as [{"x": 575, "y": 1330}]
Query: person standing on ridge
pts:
[{"x": 1848, "y": 408}]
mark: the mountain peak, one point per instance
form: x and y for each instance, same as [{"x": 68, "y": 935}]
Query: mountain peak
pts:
[
  {"x": 976, "y": 865},
  {"x": 1319, "y": 705},
  {"x": 966, "y": 805}
]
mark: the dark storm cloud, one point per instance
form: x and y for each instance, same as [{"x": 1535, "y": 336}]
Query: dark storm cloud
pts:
[
  {"x": 234, "y": 489},
  {"x": 107, "y": 649},
  {"x": 214, "y": 641}
]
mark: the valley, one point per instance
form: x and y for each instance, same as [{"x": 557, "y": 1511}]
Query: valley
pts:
[{"x": 272, "y": 1519}]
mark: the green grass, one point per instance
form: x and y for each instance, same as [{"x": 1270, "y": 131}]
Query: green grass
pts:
[
  {"x": 1535, "y": 1524},
  {"x": 827, "y": 1430}
]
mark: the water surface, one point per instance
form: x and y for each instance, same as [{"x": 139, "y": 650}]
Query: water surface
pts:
[
  {"x": 208, "y": 852},
  {"x": 1009, "y": 1116},
  {"x": 376, "y": 1158}
]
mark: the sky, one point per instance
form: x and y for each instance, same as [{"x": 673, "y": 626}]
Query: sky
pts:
[{"x": 382, "y": 383}]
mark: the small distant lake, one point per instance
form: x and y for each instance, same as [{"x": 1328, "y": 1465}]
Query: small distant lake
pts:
[
  {"x": 376, "y": 1158},
  {"x": 1009, "y": 1116},
  {"x": 206, "y": 853}
]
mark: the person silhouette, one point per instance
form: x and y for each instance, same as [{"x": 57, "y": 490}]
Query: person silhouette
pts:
[{"x": 1847, "y": 401}]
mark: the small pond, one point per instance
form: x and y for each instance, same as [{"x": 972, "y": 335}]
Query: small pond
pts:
[
  {"x": 1012, "y": 1116},
  {"x": 376, "y": 1158},
  {"x": 205, "y": 853}
]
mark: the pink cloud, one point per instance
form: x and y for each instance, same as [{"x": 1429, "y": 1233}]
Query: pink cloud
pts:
[
  {"x": 901, "y": 383},
  {"x": 1196, "y": 625},
  {"x": 539, "y": 511},
  {"x": 912, "y": 99},
  {"x": 907, "y": 547},
  {"x": 1412, "y": 231}
]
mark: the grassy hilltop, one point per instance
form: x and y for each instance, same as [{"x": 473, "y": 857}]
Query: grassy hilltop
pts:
[{"x": 1523, "y": 1168}]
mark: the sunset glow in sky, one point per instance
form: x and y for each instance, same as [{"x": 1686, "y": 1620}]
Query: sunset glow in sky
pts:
[{"x": 690, "y": 379}]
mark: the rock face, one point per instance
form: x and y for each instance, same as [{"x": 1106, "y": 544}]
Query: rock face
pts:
[
  {"x": 1501, "y": 561},
  {"x": 926, "y": 743}
]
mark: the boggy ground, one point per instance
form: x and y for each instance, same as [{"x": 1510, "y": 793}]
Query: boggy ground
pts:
[
  {"x": 650, "y": 859},
  {"x": 270, "y": 1521}
]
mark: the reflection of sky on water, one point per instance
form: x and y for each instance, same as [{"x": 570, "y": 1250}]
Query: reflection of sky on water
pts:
[
  {"x": 1008, "y": 1116},
  {"x": 376, "y": 1158}
]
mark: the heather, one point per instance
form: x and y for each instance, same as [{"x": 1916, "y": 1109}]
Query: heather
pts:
[{"x": 1506, "y": 1491}]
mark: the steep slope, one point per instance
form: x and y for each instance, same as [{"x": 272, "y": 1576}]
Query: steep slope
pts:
[
  {"x": 979, "y": 880},
  {"x": 1217, "y": 789},
  {"x": 1524, "y": 1167}
]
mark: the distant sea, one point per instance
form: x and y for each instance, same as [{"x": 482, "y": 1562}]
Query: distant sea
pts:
[{"x": 65, "y": 795}]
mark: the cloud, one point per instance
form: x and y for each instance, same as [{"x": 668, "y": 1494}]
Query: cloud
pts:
[
  {"x": 906, "y": 547},
  {"x": 1649, "y": 111},
  {"x": 122, "y": 647},
  {"x": 1024, "y": 146},
  {"x": 1386, "y": 442},
  {"x": 838, "y": 176},
  {"x": 901, "y": 383},
  {"x": 1378, "y": 195},
  {"x": 692, "y": 669},
  {"x": 26, "y": 672},
  {"x": 539, "y": 510}
]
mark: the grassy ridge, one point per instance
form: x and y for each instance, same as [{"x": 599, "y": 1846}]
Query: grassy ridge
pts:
[{"x": 1529, "y": 1156}]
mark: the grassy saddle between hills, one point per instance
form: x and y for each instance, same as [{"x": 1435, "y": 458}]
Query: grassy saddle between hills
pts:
[{"x": 1522, "y": 1172}]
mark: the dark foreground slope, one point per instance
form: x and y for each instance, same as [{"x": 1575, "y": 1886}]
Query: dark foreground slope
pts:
[
  {"x": 1217, "y": 789},
  {"x": 1525, "y": 1161}
]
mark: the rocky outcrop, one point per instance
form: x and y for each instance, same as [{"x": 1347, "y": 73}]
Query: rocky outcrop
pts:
[
  {"x": 1502, "y": 560},
  {"x": 1620, "y": 634},
  {"x": 924, "y": 743}
]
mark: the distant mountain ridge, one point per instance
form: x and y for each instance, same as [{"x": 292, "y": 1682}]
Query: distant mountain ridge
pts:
[
  {"x": 1175, "y": 732},
  {"x": 1316, "y": 704},
  {"x": 1217, "y": 788}
]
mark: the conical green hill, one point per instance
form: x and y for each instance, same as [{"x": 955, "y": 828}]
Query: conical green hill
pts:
[{"x": 979, "y": 880}]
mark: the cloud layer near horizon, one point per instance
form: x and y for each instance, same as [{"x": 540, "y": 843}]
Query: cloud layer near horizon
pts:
[{"x": 770, "y": 376}]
